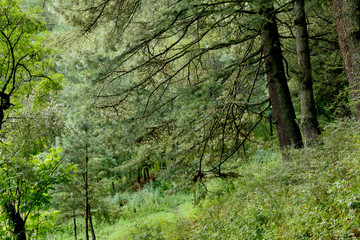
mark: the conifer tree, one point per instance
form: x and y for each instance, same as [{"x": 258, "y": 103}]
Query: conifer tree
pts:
[
  {"x": 177, "y": 61},
  {"x": 347, "y": 19},
  {"x": 79, "y": 141},
  {"x": 284, "y": 115},
  {"x": 309, "y": 123}
]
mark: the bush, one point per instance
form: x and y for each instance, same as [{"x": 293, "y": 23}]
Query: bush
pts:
[{"x": 315, "y": 194}]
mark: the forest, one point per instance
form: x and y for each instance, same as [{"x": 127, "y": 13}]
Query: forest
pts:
[{"x": 179, "y": 119}]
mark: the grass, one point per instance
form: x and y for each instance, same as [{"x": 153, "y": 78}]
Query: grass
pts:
[
  {"x": 315, "y": 194},
  {"x": 152, "y": 209}
]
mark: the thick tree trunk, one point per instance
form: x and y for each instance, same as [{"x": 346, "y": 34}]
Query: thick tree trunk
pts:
[
  {"x": 309, "y": 123},
  {"x": 347, "y": 19},
  {"x": 16, "y": 220},
  {"x": 283, "y": 111}
]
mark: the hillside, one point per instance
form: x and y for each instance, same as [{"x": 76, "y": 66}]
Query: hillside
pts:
[{"x": 315, "y": 194}]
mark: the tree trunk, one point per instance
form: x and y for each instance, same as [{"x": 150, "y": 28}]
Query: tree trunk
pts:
[
  {"x": 309, "y": 123},
  {"x": 347, "y": 20},
  {"x": 86, "y": 198},
  {"x": 283, "y": 111},
  {"x": 139, "y": 175},
  {"x": 16, "y": 220},
  {"x": 270, "y": 126},
  {"x": 91, "y": 225},
  {"x": 75, "y": 227},
  {"x": 86, "y": 219},
  {"x": 145, "y": 174}
]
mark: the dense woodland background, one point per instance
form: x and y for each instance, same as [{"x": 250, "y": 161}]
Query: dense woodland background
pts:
[{"x": 179, "y": 119}]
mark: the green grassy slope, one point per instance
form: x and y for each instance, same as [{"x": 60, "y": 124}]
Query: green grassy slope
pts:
[{"x": 315, "y": 194}]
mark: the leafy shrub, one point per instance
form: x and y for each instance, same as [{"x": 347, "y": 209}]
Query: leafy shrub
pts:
[{"x": 314, "y": 194}]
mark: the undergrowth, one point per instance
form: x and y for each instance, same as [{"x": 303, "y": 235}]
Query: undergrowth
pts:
[{"x": 313, "y": 194}]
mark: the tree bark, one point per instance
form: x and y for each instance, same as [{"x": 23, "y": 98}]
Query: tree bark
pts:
[
  {"x": 309, "y": 122},
  {"x": 283, "y": 111},
  {"x": 93, "y": 236},
  {"x": 75, "y": 227},
  {"x": 347, "y": 20},
  {"x": 86, "y": 179},
  {"x": 16, "y": 220}
]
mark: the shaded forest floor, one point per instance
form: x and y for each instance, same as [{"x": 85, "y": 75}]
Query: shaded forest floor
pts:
[{"x": 315, "y": 194}]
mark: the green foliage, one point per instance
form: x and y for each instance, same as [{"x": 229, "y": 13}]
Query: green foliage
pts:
[
  {"x": 176, "y": 90},
  {"x": 184, "y": 87},
  {"x": 25, "y": 63},
  {"x": 30, "y": 167},
  {"x": 27, "y": 183},
  {"x": 314, "y": 195},
  {"x": 146, "y": 201},
  {"x": 158, "y": 213}
]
